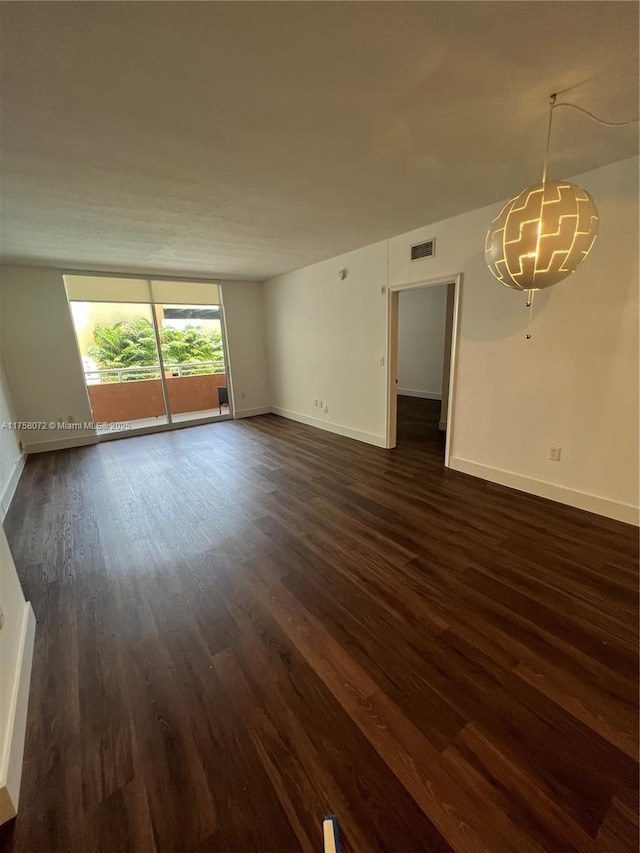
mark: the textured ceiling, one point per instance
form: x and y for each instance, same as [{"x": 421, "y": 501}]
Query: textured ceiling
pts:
[{"x": 246, "y": 139}]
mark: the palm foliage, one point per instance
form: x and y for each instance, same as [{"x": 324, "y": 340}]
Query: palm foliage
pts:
[{"x": 132, "y": 343}]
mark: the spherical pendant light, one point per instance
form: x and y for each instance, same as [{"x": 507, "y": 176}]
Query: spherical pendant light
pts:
[{"x": 542, "y": 235}]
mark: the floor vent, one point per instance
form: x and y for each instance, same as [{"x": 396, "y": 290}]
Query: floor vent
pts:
[{"x": 423, "y": 250}]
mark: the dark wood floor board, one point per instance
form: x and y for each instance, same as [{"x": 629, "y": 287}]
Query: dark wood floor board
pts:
[
  {"x": 611, "y": 622},
  {"x": 588, "y": 690},
  {"x": 327, "y": 522},
  {"x": 387, "y": 815},
  {"x": 348, "y": 524},
  {"x": 372, "y": 573},
  {"x": 578, "y": 549},
  {"x": 250, "y": 816},
  {"x": 287, "y": 777},
  {"x": 168, "y": 759},
  {"x": 613, "y": 717},
  {"x": 592, "y": 641},
  {"x": 535, "y": 627},
  {"x": 122, "y": 821},
  {"x": 364, "y": 589},
  {"x": 587, "y": 587},
  {"x": 522, "y": 799},
  {"x": 103, "y": 708},
  {"x": 54, "y": 720},
  {"x": 538, "y": 736},
  {"x": 416, "y": 531},
  {"x": 398, "y": 672},
  {"x": 466, "y": 819},
  {"x": 303, "y": 776},
  {"x": 388, "y": 729},
  {"x": 245, "y": 625},
  {"x": 619, "y": 830}
]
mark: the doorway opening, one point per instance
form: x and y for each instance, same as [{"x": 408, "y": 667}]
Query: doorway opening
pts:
[
  {"x": 149, "y": 365},
  {"x": 421, "y": 363}
]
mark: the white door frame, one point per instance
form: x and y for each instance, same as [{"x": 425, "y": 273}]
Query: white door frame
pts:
[
  {"x": 393, "y": 292},
  {"x": 231, "y": 405}
]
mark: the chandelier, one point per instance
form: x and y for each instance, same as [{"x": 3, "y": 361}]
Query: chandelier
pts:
[{"x": 545, "y": 233}]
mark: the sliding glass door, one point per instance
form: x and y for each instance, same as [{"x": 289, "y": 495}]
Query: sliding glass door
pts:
[
  {"x": 119, "y": 351},
  {"x": 150, "y": 364},
  {"x": 192, "y": 348}
]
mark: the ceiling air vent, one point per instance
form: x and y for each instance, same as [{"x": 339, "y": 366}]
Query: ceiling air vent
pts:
[{"x": 423, "y": 250}]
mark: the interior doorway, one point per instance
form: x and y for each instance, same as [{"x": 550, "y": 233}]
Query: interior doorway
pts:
[{"x": 421, "y": 365}]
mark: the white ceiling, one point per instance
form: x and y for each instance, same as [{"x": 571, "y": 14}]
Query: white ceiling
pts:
[{"x": 246, "y": 139}]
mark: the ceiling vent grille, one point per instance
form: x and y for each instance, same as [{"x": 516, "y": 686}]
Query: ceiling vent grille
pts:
[{"x": 423, "y": 250}]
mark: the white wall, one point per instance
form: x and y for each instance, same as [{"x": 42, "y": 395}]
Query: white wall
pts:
[
  {"x": 16, "y": 654},
  {"x": 40, "y": 355},
  {"x": 421, "y": 334},
  {"x": 327, "y": 342},
  {"x": 574, "y": 384},
  {"x": 16, "y": 623},
  {"x": 11, "y": 457},
  {"x": 44, "y": 372},
  {"x": 247, "y": 347}
]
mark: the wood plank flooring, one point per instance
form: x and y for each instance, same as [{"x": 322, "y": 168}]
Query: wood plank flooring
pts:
[{"x": 246, "y": 625}]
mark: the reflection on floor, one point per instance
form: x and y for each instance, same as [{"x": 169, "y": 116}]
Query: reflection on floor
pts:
[
  {"x": 138, "y": 423},
  {"x": 182, "y": 417},
  {"x": 206, "y": 413},
  {"x": 418, "y": 421}
]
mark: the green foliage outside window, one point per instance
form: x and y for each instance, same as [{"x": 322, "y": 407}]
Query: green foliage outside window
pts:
[{"x": 133, "y": 344}]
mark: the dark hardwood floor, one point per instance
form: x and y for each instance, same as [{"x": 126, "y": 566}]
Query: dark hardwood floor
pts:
[
  {"x": 418, "y": 423},
  {"x": 246, "y": 625}
]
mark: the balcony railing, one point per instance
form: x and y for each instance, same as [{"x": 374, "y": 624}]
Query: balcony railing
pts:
[
  {"x": 137, "y": 393},
  {"x": 102, "y": 376}
]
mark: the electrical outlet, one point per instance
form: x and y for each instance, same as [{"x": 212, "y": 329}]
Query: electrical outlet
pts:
[
  {"x": 554, "y": 453},
  {"x": 381, "y": 361}
]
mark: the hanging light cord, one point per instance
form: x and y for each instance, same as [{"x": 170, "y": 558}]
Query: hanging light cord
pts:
[
  {"x": 555, "y": 106},
  {"x": 530, "y": 295},
  {"x": 552, "y": 103}
]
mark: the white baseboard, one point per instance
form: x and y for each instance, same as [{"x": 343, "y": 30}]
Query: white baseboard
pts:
[
  {"x": 442, "y": 425},
  {"x": 12, "y": 756},
  {"x": 329, "y": 426},
  {"x": 582, "y": 500},
  {"x": 10, "y": 487},
  {"x": 61, "y": 443},
  {"x": 250, "y": 413},
  {"x": 426, "y": 395}
]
